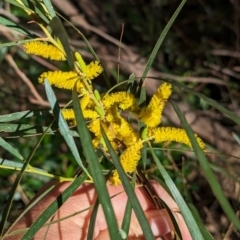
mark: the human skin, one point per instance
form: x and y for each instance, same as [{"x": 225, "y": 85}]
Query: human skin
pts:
[{"x": 76, "y": 226}]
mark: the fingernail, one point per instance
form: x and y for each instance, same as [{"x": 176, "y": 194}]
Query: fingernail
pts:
[{"x": 159, "y": 226}]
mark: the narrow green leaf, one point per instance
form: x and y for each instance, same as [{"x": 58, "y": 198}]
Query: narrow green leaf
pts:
[
  {"x": 34, "y": 202},
  {"x": 18, "y": 165},
  {"x": 211, "y": 178},
  {"x": 63, "y": 127},
  {"x": 143, "y": 96},
  {"x": 14, "y": 187},
  {"x": 21, "y": 129},
  {"x": 9, "y": 23},
  {"x": 210, "y": 101},
  {"x": 91, "y": 227},
  {"x": 131, "y": 83},
  {"x": 130, "y": 191},
  {"x": 175, "y": 224},
  {"x": 28, "y": 130},
  {"x": 50, "y": 8},
  {"x": 10, "y": 149},
  {"x": 17, "y": 4},
  {"x": 188, "y": 217},
  {"x": 144, "y": 155},
  {"x": 8, "y": 44},
  {"x": 60, "y": 32},
  {"x": 95, "y": 168},
  {"x": 21, "y": 115},
  {"x": 128, "y": 210},
  {"x": 41, "y": 12},
  {"x": 54, "y": 206},
  {"x": 204, "y": 231},
  {"x": 161, "y": 38},
  {"x": 160, "y": 41}
]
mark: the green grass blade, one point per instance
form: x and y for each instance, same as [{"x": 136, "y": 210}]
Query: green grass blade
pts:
[
  {"x": 18, "y": 165},
  {"x": 14, "y": 187},
  {"x": 91, "y": 227},
  {"x": 21, "y": 115},
  {"x": 54, "y": 206},
  {"x": 128, "y": 210},
  {"x": 29, "y": 207},
  {"x": 50, "y": 8},
  {"x": 60, "y": 32},
  {"x": 10, "y": 149},
  {"x": 204, "y": 231},
  {"x": 21, "y": 129},
  {"x": 8, "y": 23},
  {"x": 95, "y": 168},
  {"x": 175, "y": 224},
  {"x": 63, "y": 127},
  {"x": 210, "y": 101},
  {"x": 213, "y": 182},
  {"x": 11, "y": 164},
  {"x": 17, "y": 4},
  {"x": 188, "y": 217},
  {"x": 161, "y": 38},
  {"x": 28, "y": 130},
  {"x": 130, "y": 192},
  {"x": 9, "y": 44}
]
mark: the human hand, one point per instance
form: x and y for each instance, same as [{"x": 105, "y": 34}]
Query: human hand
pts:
[{"x": 76, "y": 226}]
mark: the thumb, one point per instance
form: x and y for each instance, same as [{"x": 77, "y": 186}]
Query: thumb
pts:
[{"x": 159, "y": 221}]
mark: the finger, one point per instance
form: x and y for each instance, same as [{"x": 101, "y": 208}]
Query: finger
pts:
[{"x": 174, "y": 208}]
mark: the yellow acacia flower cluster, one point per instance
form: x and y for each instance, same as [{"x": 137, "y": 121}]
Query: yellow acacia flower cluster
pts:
[{"x": 108, "y": 110}]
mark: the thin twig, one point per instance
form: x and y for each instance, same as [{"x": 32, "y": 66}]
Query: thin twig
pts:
[{"x": 26, "y": 80}]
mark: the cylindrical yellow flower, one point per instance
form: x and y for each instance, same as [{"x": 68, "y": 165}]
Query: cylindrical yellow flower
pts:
[
  {"x": 123, "y": 100},
  {"x": 129, "y": 160},
  {"x": 164, "y": 91},
  {"x": 125, "y": 132},
  {"x": 152, "y": 114},
  {"x": 131, "y": 156},
  {"x": 114, "y": 179},
  {"x": 151, "y": 117},
  {"x": 164, "y": 134},
  {"x": 65, "y": 80},
  {"x": 93, "y": 70},
  {"x": 45, "y": 50}
]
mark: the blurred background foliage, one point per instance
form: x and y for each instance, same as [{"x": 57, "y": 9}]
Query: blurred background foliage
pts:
[{"x": 202, "y": 50}]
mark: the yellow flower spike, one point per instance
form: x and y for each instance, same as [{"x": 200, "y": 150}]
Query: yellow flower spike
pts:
[
  {"x": 131, "y": 156},
  {"x": 151, "y": 117},
  {"x": 152, "y": 114},
  {"x": 84, "y": 101},
  {"x": 164, "y": 134},
  {"x": 163, "y": 93},
  {"x": 68, "y": 114},
  {"x": 129, "y": 160},
  {"x": 44, "y": 49},
  {"x": 93, "y": 70},
  {"x": 123, "y": 99},
  {"x": 90, "y": 114},
  {"x": 65, "y": 80},
  {"x": 125, "y": 132},
  {"x": 112, "y": 114},
  {"x": 82, "y": 64},
  {"x": 94, "y": 127},
  {"x": 114, "y": 179}
]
